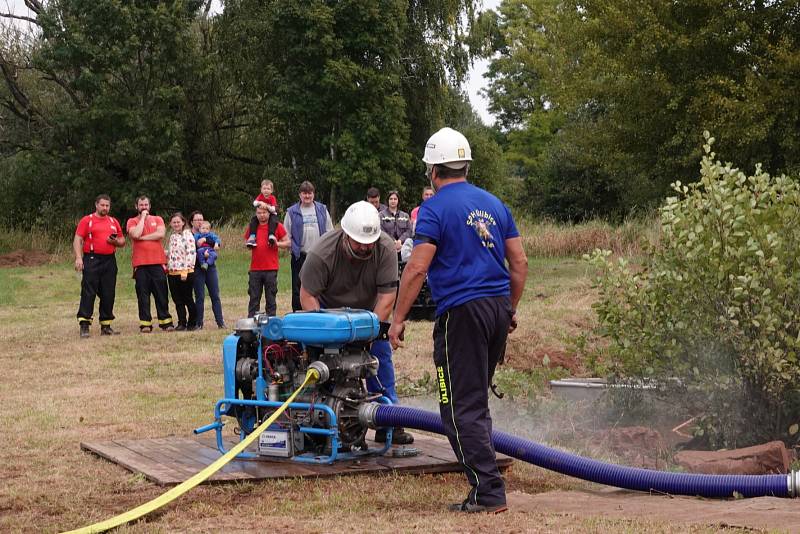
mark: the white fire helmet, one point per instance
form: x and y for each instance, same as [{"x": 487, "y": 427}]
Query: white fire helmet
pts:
[
  {"x": 449, "y": 148},
  {"x": 362, "y": 222}
]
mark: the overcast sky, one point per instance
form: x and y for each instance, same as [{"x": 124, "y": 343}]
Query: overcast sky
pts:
[{"x": 474, "y": 83}]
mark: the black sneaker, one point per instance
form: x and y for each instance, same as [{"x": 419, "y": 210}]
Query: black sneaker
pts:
[
  {"x": 469, "y": 508},
  {"x": 273, "y": 241},
  {"x": 221, "y": 325},
  {"x": 180, "y": 328},
  {"x": 106, "y": 330},
  {"x": 399, "y": 436},
  {"x": 84, "y": 330}
]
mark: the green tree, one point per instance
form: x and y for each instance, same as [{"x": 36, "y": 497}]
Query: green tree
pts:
[
  {"x": 345, "y": 94},
  {"x": 108, "y": 96},
  {"x": 323, "y": 80},
  {"x": 634, "y": 79}
]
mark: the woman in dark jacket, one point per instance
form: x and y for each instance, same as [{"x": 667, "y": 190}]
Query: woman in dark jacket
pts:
[{"x": 394, "y": 222}]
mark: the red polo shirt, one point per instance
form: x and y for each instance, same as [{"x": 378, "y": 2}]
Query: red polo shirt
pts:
[{"x": 95, "y": 232}]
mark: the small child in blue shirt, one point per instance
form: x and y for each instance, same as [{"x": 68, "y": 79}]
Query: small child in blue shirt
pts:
[{"x": 207, "y": 245}]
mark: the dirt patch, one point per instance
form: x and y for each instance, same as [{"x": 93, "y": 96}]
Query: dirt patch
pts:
[
  {"x": 635, "y": 446},
  {"x": 771, "y": 513},
  {"x": 551, "y": 357},
  {"x": 24, "y": 258}
]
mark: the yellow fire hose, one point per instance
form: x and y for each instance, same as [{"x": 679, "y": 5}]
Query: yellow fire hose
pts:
[{"x": 311, "y": 377}]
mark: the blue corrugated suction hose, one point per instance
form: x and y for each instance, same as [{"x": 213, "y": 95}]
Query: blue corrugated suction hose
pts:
[{"x": 378, "y": 415}]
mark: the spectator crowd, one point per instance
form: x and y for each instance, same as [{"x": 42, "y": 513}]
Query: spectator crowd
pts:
[{"x": 187, "y": 268}]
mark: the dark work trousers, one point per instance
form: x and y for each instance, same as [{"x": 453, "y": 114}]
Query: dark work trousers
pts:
[
  {"x": 265, "y": 282},
  {"x": 99, "y": 280},
  {"x": 468, "y": 342},
  {"x": 181, "y": 291},
  {"x": 152, "y": 280},
  {"x": 297, "y": 264}
]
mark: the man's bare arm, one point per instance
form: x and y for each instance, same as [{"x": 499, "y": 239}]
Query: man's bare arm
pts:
[
  {"x": 413, "y": 277},
  {"x": 77, "y": 247},
  {"x": 383, "y": 306},
  {"x": 158, "y": 235},
  {"x": 517, "y": 267},
  {"x": 308, "y": 301},
  {"x": 518, "y": 270},
  {"x": 136, "y": 231}
]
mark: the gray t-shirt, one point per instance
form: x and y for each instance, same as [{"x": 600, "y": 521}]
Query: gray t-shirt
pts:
[
  {"x": 310, "y": 226},
  {"x": 339, "y": 281}
]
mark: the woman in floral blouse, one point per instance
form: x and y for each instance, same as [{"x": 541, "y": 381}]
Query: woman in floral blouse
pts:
[{"x": 181, "y": 257}]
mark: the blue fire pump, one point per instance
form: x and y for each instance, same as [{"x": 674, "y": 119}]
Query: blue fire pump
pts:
[{"x": 267, "y": 358}]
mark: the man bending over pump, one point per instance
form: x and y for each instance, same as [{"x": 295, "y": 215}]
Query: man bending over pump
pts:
[{"x": 356, "y": 267}]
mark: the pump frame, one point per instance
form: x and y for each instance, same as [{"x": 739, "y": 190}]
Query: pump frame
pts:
[{"x": 332, "y": 431}]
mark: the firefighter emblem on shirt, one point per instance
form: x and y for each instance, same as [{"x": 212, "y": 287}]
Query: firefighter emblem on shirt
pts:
[{"x": 481, "y": 221}]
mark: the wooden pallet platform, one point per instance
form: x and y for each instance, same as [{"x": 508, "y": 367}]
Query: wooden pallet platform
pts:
[{"x": 171, "y": 460}]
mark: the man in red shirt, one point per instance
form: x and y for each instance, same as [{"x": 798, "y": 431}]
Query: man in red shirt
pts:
[
  {"x": 96, "y": 239},
  {"x": 263, "y": 276},
  {"x": 149, "y": 263}
]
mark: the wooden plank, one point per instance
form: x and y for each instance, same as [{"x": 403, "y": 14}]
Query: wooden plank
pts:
[
  {"x": 174, "y": 459},
  {"x": 153, "y": 471},
  {"x": 146, "y": 448}
]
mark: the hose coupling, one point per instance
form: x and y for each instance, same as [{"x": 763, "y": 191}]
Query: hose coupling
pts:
[
  {"x": 366, "y": 414},
  {"x": 793, "y": 480},
  {"x": 322, "y": 370}
]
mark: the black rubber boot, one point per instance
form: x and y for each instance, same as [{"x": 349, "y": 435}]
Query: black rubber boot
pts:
[
  {"x": 469, "y": 508},
  {"x": 399, "y": 436},
  {"x": 106, "y": 330},
  {"x": 84, "y": 330}
]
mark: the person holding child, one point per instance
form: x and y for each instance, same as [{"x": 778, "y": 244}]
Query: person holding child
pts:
[
  {"x": 180, "y": 271},
  {"x": 206, "y": 278},
  {"x": 266, "y": 200},
  {"x": 207, "y": 245}
]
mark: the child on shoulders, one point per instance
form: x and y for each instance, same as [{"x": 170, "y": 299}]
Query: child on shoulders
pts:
[{"x": 267, "y": 200}]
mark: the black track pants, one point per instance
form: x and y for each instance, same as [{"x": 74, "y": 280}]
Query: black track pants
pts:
[
  {"x": 152, "y": 280},
  {"x": 468, "y": 341},
  {"x": 99, "y": 280}
]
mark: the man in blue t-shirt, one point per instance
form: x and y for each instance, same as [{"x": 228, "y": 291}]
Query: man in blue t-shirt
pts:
[{"x": 464, "y": 236}]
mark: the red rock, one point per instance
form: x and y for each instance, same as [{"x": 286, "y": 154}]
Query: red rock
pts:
[{"x": 769, "y": 458}]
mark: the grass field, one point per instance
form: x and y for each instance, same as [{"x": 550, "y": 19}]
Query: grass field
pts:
[{"x": 58, "y": 390}]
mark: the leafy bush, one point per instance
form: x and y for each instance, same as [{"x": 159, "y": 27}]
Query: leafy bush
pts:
[{"x": 713, "y": 314}]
